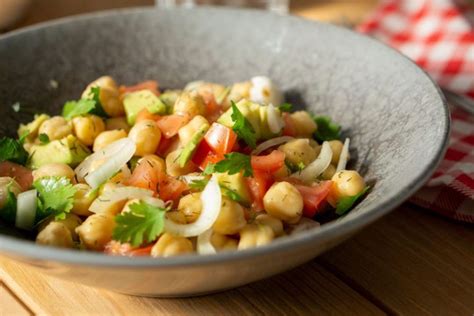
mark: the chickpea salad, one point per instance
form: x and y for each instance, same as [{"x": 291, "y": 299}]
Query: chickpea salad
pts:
[{"x": 142, "y": 171}]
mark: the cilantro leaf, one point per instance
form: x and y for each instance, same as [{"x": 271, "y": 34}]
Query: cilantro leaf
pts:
[
  {"x": 327, "y": 129},
  {"x": 98, "y": 109},
  {"x": 294, "y": 167},
  {"x": 12, "y": 150},
  {"x": 346, "y": 203},
  {"x": 232, "y": 164},
  {"x": 286, "y": 107},
  {"x": 8, "y": 211},
  {"x": 143, "y": 223},
  {"x": 55, "y": 197},
  {"x": 199, "y": 185},
  {"x": 77, "y": 108},
  {"x": 43, "y": 138},
  {"x": 242, "y": 127}
]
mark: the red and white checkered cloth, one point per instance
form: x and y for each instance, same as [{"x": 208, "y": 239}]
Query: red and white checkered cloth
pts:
[{"x": 439, "y": 36}]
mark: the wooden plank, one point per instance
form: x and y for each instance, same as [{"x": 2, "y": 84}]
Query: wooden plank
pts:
[
  {"x": 10, "y": 304},
  {"x": 415, "y": 262},
  {"x": 306, "y": 289}
]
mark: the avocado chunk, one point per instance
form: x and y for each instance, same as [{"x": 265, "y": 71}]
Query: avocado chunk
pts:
[
  {"x": 236, "y": 183},
  {"x": 32, "y": 127},
  {"x": 134, "y": 102},
  {"x": 68, "y": 150},
  {"x": 191, "y": 146},
  {"x": 169, "y": 98}
]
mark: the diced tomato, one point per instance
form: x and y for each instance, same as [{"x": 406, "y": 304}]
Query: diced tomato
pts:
[
  {"x": 151, "y": 85},
  {"x": 204, "y": 155},
  {"x": 220, "y": 138},
  {"x": 146, "y": 115},
  {"x": 269, "y": 163},
  {"x": 258, "y": 186},
  {"x": 314, "y": 197},
  {"x": 145, "y": 176},
  {"x": 211, "y": 158},
  {"x": 289, "y": 129},
  {"x": 116, "y": 248},
  {"x": 165, "y": 144},
  {"x": 23, "y": 176},
  {"x": 170, "y": 188},
  {"x": 170, "y": 124}
]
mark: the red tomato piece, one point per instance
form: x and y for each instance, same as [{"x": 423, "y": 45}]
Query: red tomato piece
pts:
[
  {"x": 289, "y": 129},
  {"x": 165, "y": 144},
  {"x": 269, "y": 163},
  {"x": 220, "y": 138},
  {"x": 145, "y": 176},
  {"x": 314, "y": 197},
  {"x": 151, "y": 85},
  {"x": 116, "y": 248},
  {"x": 170, "y": 188},
  {"x": 170, "y": 124},
  {"x": 258, "y": 186},
  {"x": 23, "y": 176}
]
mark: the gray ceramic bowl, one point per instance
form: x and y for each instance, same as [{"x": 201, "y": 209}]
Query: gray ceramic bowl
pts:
[{"x": 394, "y": 114}]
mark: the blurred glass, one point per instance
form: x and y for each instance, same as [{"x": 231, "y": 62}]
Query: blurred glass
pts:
[{"x": 277, "y": 6}]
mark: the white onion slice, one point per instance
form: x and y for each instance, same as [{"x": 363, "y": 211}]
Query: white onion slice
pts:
[
  {"x": 106, "y": 200},
  {"x": 344, "y": 156},
  {"x": 275, "y": 122},
  {"x": 189, "y": 178},
  {"x": 26, "y": 210},
  {"x": 270, "y": 143},
  {"x": 315, "y": 168},
  {"x": 264, "y": 91},
  {"x": 211, "y": 205},
  {"x": 112, "y": 158},
  {"x": 204, "y": 245}
]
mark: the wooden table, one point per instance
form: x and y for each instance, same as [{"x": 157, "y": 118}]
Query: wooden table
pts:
[{"x": 410, "y": 262}]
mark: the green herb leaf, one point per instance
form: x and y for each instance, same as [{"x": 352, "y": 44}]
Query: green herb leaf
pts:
[
  {"x": 143, "y": 223},
  {"x": 8, "y": 211},
  {"x": 242, "y": 127},
  {"x": 43, "y": 138},
  {"x": 327, "y": 129},
  {"x": 346, "y": 203},
  {"x": 98, "y": 109},
  {"x": 294, "y": 168},
  {"x": 286, "y": 107},
  {"x": 232, "y": 164},
  {"x": 77, "y": 108},
  {"x": 12, "y": 150},
  {"x": 199, "y": 185},
  {"x": 55, "y": 197}
]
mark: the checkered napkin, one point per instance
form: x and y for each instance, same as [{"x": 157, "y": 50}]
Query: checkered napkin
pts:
[{"x": 439, "y": 36}]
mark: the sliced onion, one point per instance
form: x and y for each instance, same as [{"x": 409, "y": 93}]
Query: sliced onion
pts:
[
  {"x": 275, "y": 122},
  {"x": 111, "y": 159},
  {"x": 106, "y": 200},
  {"x": 204, "y": 245},
  {"x": 211, "y": 205},
  {"x": 189, "y": 178},
  {"x": 271, "y": 143},
  {"x": 194, "y": 85},
  {"x": 264, "y": 91},
  {"x": 344, "y": 156},
  {"x": 26, "y": 209},
  {"x": 314, "y": 169}
]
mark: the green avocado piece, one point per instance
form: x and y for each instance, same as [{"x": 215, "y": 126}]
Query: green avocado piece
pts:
[
  {"x": 68, "y": 150},
  {"x": 169, "y": 98},
  {"x": 134, "y": 102},
  {"x": 32, "y": 127},
  {"x": 236, "y": 183},
  {"x": 249, "y": 110},
  {"x": 191, "y": 146}
]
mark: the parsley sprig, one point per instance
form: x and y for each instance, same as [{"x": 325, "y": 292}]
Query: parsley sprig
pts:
[
  {"x": 8, "y": 211},
  {"x": 143, "y": 223},
  {"x": 232, "y": 164},
  {"x": 84, "y": 106},
  {"x": 286, "y": 107},
  {"x": 12, "y": 150},
  {"x": 327, "y": 129},
  {"x": 55, "y": 197},
  {"x": 199, "y": 185},
  {"x": 242, "y": 127}
]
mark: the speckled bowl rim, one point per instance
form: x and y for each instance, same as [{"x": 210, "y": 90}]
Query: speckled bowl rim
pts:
[{"x": 22, "y": 248}]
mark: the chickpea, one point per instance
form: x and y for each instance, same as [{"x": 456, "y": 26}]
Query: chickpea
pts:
[
  {"x": 7, "y": 185},
  {"x": 109, "y": 95},
  {"x": 117, "y": 123},
  {"x": 336, "y": 147},
  {"x": 190, "y": 206},
  {"x": 83, "y": 199},
  {"x": 108, "y": 137},
  {"x": 87, "y": 128},
  {"x": 284, "y": 202},
  {"x": 169, "y": 245},
  {"x": 71, "y": 221},
  {"x": 172, "y": 165},
  {"x": 223, "y": 242},
  {"x": 56, "y": 128},
  {"x": 345, "y": 183},
  {"x": 96, "y": 231},
  {"x": 231, "y": 218},
  {"x": 239, "y": 91},
  {"x": 146, "y": 136},
  {"x": 329, "y": 172},
  {"x": 176, "y": 217},
  {"x": 254, "y": 235},
  {"x": 274, "y": 223},
  {"x": 189, "y": 103},
  {"x": 304, "y": 124},
  {"x": 298, "y": 151},
  {"x": 156, "y": 162},
  {"x": 54, "y": 170},
  {"x": 55, "y": 234},
  {"x": 187, "y": 131}
]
